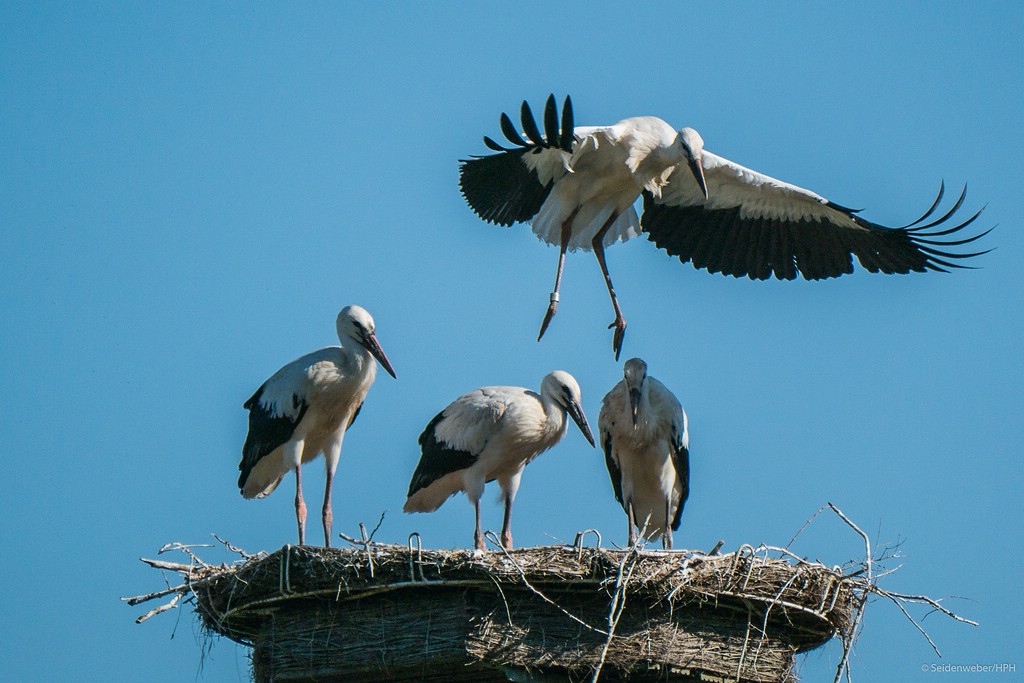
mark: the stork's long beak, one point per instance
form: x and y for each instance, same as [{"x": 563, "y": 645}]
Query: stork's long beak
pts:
[
  {"x": 634, "y": 404},
  {"x": 576, "y": 413},
  {"x": 373, "y": 346},
  {"x": 697, "y": 168}
]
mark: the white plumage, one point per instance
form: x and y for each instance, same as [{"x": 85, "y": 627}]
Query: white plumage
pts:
[
  {"x": 490, "y": 434},
  {"x": 305, "y": 408},
  {"x": 577, "y": 187},
  {"x": 646, "y": 442}
]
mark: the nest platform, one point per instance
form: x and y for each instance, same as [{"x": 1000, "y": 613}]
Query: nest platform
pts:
[{"x": 568, "y": 613}]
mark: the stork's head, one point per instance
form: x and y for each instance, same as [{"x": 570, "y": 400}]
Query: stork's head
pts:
[
  {"x": 562, "y": 388},
  {"x": 635, "y": 373},
  {"x": 692, "y": 145},
  {"x": 356, "y": 323}
]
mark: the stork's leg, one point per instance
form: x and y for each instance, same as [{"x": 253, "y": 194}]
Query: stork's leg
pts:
[
  {"x": 506, "y": 527},
  {"x": 666, "y": 535},
  {"x": 563, "y": 245},
  {"x": 478, "y": 534},
  {"x": 328, "y": 512},
  {"x": 632, "y": 524},
  {"x": 300, "y": 505},
  {"x": 619, "y": 323}
]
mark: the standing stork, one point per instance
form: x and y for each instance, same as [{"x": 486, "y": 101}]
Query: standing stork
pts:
[
  {"x": 492, "y": 433},
  {"x": 647, "y": 450},
  {"x": 577, "y": 187},
  {"x": 305, "y": 408}
]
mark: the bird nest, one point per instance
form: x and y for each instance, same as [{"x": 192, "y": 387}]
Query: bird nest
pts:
[{"x": 393, "y": 612}]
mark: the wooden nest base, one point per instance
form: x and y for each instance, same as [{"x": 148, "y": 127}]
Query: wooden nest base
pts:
[{"x": 394, "y": 613}]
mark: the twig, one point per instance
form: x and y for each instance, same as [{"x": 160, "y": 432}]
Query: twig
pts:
[
  {"x": 526, "y": 582},
  {"x": 139, "y": 599},
  {"x": 239, "y": 551},
  {"x": 366, "y": 541},
  {"x": 169, "y": 566},
  {"x": 777, "y": 600},
  {"x": 926, "y": 600},
  {"x": 379, "y": 522},
  {"x": 801, "y": 529},
  {"x": 618, "y": 603},
  {"x": 916, "y": 625},
  {"x": 848, "y": 639},
  {"x": 187, "y": 549},
  {"x": 162, "y": 608}
]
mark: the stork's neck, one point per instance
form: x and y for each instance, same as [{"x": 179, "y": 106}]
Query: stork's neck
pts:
[
  {"x": 555, "y": 415},
  {"x": 361, "y": 362}
]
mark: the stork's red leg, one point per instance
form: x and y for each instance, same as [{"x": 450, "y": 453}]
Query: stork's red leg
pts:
[
  {"x": 564, "y": 244},
  {"x": 666, "y": 536},
  {"x": 478, "y": 534},
  {"x": 506, "y": 527},
  {"x": 300, "y": 505},
  {"x": 619, "y": 323},
  {"x": 632, "y": 524},
  {"x": 328, "y": 512}
]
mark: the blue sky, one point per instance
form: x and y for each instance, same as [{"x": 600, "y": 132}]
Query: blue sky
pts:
[{"x": 190, "y": 192}]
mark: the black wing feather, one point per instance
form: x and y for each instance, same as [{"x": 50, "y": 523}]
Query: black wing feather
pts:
[
  {"x": 721, "y": 240},
  {"x": 510, "y": 132},
  {"x": 681, "y": 461},
  {"x": 437, "y": 459},
  {"x": 530, "y": 125},
  {"x": 500, "y": 188},
  {"x": 551, "y": 135},
  {"x": 567, "y": 138},
  {"x": 613, "y": 469},
  {"x": 266, "y": 432}
]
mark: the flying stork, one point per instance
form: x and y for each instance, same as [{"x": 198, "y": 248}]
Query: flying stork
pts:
[
  {"x": 646, "y": 446},
  {"x": 305, "y": 408},
  {"x": 492, "y": 433},
  {"x": 577, "y": 187}
]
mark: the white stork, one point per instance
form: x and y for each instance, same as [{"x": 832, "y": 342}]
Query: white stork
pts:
[
  {"x": 646, "y": 442},
  {"x": 492, "y": 433},
  {"x": 577, "y": 187},
  {"x": 305, "y": 408}
]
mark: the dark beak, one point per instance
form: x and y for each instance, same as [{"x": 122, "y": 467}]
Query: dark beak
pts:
[
  {"x": 576, "y": 413},
  {"x": 697, "y": 168},
  {"x": 373, "y": 346},
  {"x": 634, "y": 404}
]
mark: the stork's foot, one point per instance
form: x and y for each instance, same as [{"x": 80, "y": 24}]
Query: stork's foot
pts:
[
  {"x": 620, "y": 333},
  {"x": 478, "y": 541},
  {"x": 552, "y": 309},
  {"x": 506, "y": 540}
]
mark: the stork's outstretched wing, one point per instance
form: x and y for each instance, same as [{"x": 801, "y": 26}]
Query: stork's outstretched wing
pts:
[
  {"x": 510, "y": 187},
  {"x": 756, "y": 226}
]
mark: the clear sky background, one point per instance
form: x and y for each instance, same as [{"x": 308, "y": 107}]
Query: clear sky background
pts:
[{"x": 190, "y": 192}]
